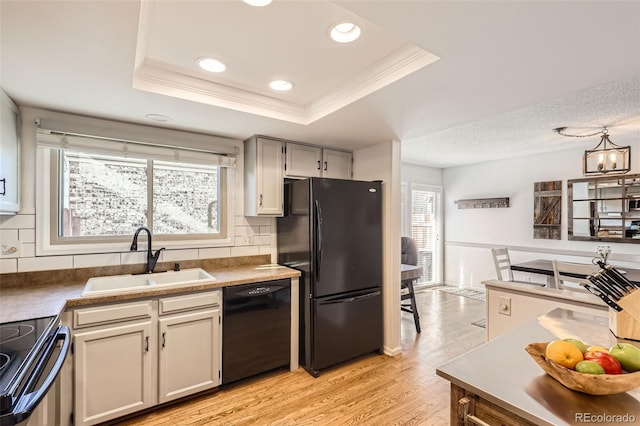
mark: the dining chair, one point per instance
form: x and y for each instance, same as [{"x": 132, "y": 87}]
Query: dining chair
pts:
[
  {"x": 569, "y": 276},
  {"x": 502, "y": 263},
  {"x": 409, "y": 256}
]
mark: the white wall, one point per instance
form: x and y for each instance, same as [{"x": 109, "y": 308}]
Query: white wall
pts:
[
  {"x": 251, "y": 235},
  {"x": 382, "y": 162},
  {"x": 421, "y": 174},
  {"x": 470, "y": 233}
]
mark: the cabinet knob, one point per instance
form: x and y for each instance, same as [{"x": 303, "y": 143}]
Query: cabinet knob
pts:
[
  {"x": 146, "y": 344},
  {"x": 260, "y": 200},
  {"x": 4, "y": 186},
  {"x": 325, "y": 166},
  {"x": 318, "y": 164},
  {"x": 163, "y": 339}
]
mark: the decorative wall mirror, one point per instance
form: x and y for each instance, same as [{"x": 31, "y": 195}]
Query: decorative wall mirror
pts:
[{"x": 605, "y": 209}]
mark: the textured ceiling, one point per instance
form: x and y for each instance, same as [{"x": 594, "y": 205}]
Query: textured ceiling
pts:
[
  {"x": 508, "y": 71},
  {"x": 529, "y": 130}
]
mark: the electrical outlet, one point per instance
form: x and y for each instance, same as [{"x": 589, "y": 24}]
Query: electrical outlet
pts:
[
  {"x": 504, "y": 306},
  {"x": 10, "y": 249}
]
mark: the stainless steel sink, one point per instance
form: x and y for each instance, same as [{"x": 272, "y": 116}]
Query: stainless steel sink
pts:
[{"x": 120, "y": 283}]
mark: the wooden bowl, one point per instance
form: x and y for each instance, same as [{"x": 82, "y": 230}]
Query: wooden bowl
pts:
[{"x": 592, "y": 384}]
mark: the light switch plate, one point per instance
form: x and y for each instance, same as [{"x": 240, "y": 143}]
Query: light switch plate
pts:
[
  {"x": 9, "y": 249},
  {"x": 504, "y": 306}
]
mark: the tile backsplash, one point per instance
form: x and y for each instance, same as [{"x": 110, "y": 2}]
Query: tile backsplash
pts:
[{"x": 252, "y": 236}]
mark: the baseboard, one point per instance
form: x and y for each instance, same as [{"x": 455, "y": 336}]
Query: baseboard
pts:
[{"x": 392, "y": 351}]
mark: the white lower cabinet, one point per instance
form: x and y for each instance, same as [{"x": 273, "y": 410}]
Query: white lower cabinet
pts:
[
  {"x": 114, "y": 372},
  {"x": 189, "y": 354},
  {"x": 132, "y": 356}
]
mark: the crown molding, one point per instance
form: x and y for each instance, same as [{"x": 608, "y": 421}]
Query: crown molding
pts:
[{"x": 172, "y": 80}]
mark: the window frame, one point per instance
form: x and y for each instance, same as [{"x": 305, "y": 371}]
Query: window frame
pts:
[{"x": 47, "y": 217}]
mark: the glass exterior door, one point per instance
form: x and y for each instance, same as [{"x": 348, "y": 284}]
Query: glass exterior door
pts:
[{"x": 422, "y": 221}]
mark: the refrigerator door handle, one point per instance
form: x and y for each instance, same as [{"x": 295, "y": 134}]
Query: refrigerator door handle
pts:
[
  {"x": 318, "y": 239},
  {"x": 350, "y": 299}
]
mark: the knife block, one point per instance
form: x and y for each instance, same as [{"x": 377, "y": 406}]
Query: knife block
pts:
[{"x": 626, "y": 324}]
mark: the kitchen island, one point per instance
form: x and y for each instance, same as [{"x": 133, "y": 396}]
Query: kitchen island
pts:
[{"x": 499, "y": 383}]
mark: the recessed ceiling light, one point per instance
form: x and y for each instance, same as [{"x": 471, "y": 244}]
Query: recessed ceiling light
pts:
[
  {"x": 345, "y": 32},
  {"x": 257, "y": 3},
  {"x": 211, "y": 65},
  {"x": 281, "y": 85},
  {"x": 158, "y": 117}
]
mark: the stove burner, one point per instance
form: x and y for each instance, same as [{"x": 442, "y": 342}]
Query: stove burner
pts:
[
  {"x": 4, "y": 360},
  {"x": 9, "y": 333}
]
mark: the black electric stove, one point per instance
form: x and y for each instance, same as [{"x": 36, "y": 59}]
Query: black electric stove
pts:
[{"x": 26, "y": 373}]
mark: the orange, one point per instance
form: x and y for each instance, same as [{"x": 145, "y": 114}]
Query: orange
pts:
[{"x": 564, "y": 353}]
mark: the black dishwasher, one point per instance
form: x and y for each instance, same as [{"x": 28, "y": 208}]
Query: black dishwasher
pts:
[{"x": 256, "y": 329}]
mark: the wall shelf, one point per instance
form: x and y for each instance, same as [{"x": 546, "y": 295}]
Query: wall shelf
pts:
[{"x": 483, "y": 203}]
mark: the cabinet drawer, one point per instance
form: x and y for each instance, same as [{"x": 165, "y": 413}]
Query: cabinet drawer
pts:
[
  {"x": 112, "y": 313},
  {"x": 468, "y": 409},
  {"x": 189, "y": 301}
]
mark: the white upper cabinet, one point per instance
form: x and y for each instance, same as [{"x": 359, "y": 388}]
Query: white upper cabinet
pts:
[
  {"x": 9, "y": 157},
  {"x": 303, "y": 160},
  {"x": 311, "y": 161},
  {"x": 263, "y": 177},
  {"x": 336, "y": 164}
]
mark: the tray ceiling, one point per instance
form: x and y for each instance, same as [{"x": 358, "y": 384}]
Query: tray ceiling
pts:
[{"x": 284, "y": 41}]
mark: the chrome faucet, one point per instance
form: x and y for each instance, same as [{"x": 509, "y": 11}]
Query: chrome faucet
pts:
[{"x": 152, "y": 258}]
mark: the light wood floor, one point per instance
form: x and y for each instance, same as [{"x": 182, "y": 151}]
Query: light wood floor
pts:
[{"x": 375, "y": 390}]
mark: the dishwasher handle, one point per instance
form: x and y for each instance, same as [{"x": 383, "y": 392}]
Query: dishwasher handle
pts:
[
  {"x": 259, "y": 290},
  {"x": 29, "y": 399}
]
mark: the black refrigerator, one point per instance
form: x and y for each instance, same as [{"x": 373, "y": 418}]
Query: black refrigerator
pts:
[{"x": 332, "y": 232}]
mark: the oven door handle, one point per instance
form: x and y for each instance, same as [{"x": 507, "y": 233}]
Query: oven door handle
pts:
[{"x": 30, "y": 398}]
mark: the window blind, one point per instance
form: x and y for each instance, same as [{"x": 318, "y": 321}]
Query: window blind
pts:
[
  {"x": 425, "y": 228},
  {"x": 133, "y": 149}
]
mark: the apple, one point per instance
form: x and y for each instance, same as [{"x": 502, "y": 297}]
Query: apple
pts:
[
  {"x": 628, "y": 356},
  {"x": 589, "y": 367},
  {"x": 609, "y": 363},
  {"x": 578, "y": 343}
]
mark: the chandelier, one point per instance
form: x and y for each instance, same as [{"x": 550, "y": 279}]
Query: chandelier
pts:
[{"x": 606, "y": 157}]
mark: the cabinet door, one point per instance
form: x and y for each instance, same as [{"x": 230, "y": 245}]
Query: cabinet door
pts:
[
  {"x": 9, "y": 156},
  {"x": 190, "y": 353},
  {"x": 270, "y": 175},
  {"x": 336, "y": 164},
  {"x": 114, "y": 372},
  {"x": 303, "y": 160}
]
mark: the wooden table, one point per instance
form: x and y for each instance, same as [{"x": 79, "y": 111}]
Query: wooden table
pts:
[{"x": 545, "y": 267}]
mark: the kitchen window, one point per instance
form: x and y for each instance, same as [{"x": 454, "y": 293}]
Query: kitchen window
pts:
[
  {"x": 102, "y": 196},
  {"x": 98, "y": 192}
]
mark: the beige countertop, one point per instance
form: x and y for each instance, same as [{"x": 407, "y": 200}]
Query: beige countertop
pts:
[
  {"x": 546, "y": 292},
  {"x": 20, "y": 302}
]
